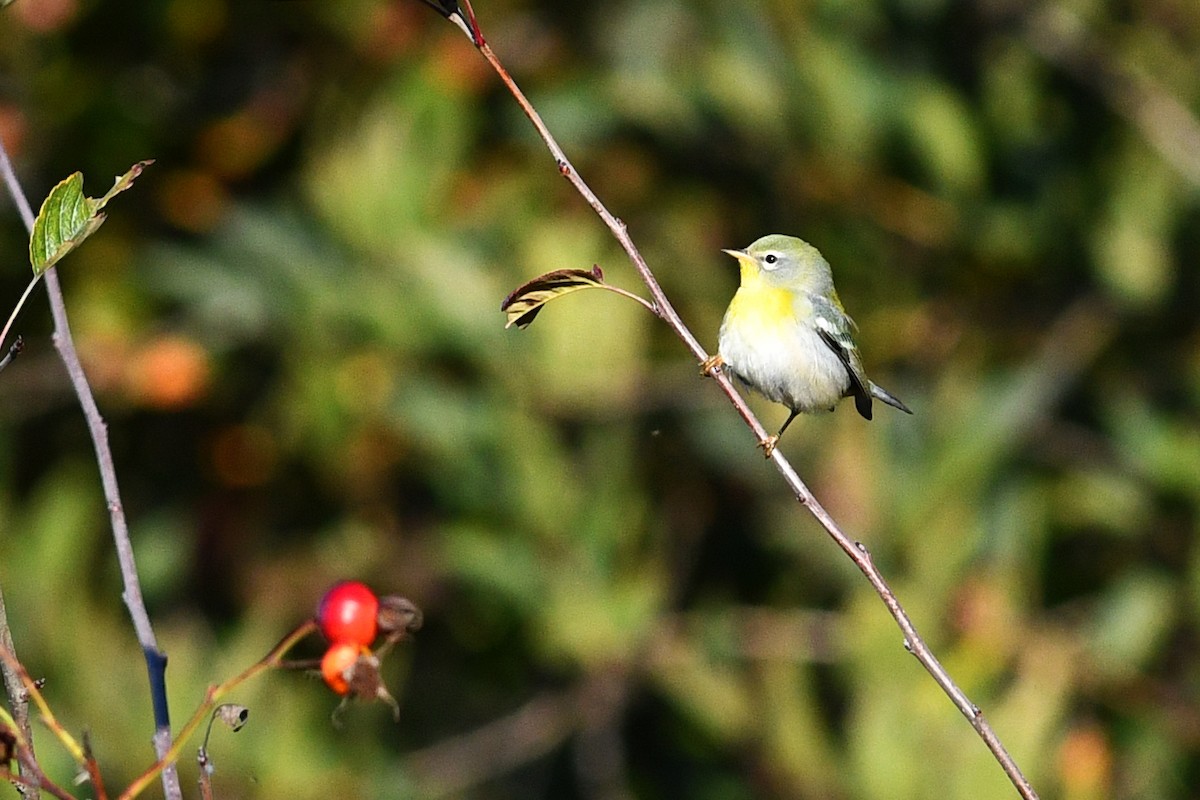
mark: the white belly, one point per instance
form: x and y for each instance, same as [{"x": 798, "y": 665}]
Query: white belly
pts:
[{"x": 788, "y": 363}]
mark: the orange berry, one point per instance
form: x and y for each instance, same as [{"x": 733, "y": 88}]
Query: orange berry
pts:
[{"x": 338, "y": 664}]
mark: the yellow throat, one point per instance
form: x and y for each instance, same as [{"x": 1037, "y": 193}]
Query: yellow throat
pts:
[{"x": 756, "y": 302}]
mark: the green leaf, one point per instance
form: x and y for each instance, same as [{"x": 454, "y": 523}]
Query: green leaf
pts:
[
  {"x": 67, "y": 217},
  {"x": 527, "y": 300}
]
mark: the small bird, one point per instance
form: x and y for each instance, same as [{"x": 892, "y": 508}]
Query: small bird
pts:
[{"x": 786, "y": 334}]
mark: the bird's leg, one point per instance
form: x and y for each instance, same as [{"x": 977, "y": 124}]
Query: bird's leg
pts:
[
  {"x": 795, "y": 413},
  {"x": 711, "y": 364},
  {"x": 768, "y": 444}
]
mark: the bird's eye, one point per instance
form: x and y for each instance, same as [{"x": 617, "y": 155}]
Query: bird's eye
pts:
[{"x": 770, "y": 258}]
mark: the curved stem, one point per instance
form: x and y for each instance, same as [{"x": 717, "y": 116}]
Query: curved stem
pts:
[
  {"x": 17, "y": 308},
  {"x": 271, "y": 660},
  {"x": 653, "y": 309},
  {"x": 855, "y": 550}
]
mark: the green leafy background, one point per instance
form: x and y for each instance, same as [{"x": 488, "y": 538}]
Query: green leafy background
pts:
[{"x": 292, "y": 323}]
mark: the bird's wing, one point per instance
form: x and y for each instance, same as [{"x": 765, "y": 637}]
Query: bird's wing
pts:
[{"x": 836, "y": 329}]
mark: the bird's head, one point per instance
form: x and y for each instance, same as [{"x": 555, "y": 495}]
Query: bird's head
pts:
[{"x": 784, "y": 262}]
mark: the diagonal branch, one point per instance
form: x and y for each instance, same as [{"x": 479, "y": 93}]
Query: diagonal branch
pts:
[
  {"x": 156, "y": 659},
  {"x": 664, "y": 310}
]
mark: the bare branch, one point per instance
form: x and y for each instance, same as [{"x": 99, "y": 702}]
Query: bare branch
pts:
[
  {"x": 156, "y": 660},
  {"x": 854, "y": 550}
]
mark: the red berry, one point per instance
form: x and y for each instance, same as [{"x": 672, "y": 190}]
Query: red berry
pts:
[
  {"x": 349, "y": 613},
  {"x": 338, "y": 664}
]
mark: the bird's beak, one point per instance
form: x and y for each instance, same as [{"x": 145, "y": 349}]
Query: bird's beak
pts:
[
  {"x": 747, "y": 265},
  {"x": 744, "y": 259}
]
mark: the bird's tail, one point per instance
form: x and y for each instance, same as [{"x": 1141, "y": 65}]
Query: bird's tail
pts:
[{"x": 883, "y": 394}]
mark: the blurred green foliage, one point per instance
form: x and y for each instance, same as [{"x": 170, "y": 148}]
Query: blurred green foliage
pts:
[{"x": 292, "y": 325}]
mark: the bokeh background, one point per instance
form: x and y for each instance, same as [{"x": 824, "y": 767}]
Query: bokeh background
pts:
[{"x": 292, "y": 324}]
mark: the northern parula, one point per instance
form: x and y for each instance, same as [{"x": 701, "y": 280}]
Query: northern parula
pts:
[{"x": 786, "y": 334}]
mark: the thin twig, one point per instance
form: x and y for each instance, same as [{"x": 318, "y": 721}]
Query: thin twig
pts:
[
  {"x": 156, "y": 660},
  {"x": 34, "y": 784},
  {"x": 17, "y": 697},
  {"x": 272, "y": 660},
  {"x": 31, "y": 778},
  {"x": 855, "y": 550},
  {"x": 14, "y": 350},
  {"x": 48, "y": 718},
  {"x": 18, "y": 700},
  {"x": 205, "y": 779},
  {"x": 17, "y": 308},
  {"x": 92, "y": 770},
  {"x": 625, "y": 293}
]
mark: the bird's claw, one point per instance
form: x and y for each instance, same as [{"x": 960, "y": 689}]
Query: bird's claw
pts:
[
  {"x": 710, "y": 365},
  {"x": 768, "y": 445}
]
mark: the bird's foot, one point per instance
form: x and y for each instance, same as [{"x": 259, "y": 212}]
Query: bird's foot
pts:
[
  {"x": 768, "y": 445},
  {"x": 710, "y": 365}
]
